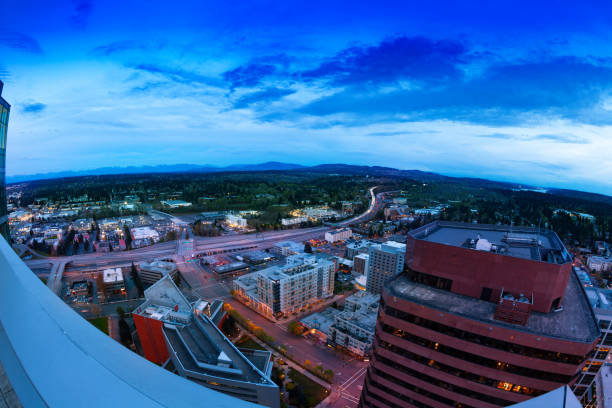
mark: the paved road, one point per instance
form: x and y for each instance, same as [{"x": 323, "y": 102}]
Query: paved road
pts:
[
  {"x": 200, "y": 244},
  {"x": 348, "y": 372}
]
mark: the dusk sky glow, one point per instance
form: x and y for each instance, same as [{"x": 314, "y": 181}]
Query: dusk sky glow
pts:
[{"x": 517, "y": 93}]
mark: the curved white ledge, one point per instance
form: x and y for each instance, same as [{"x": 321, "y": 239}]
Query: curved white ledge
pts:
[{"x": 55, "y": 358}]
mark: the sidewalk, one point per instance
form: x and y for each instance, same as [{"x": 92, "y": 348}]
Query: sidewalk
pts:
[
  {"x": 113, "y": 328},
  {"x": 289, "y": 362}
]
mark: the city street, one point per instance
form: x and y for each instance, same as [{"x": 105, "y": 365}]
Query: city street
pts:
[{"x": 348, "y": 372}]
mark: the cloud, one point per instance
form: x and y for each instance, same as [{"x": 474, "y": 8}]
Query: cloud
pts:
[
  {"x": 394, "y": 59},
  {"x": 402, "y": 132},
  {"x": 505, "y": 93},
  {"x": 82, "y": 9},
  {"x": 178, "y": 74},
  {"x": 554, "y": 138},
  {"x": 116, "y": 47},
  {"x": 20, "y": 41},
  {"x": 33, "y": 107},
  {"x": 266, "y": 95},
  {"x": 248, "y": 75}
]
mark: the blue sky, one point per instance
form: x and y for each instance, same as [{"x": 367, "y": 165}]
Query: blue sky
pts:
[{"x": 519, "y": 92}]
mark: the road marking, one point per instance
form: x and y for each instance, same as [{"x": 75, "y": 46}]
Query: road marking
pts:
[{"x": 353, "y": 378}]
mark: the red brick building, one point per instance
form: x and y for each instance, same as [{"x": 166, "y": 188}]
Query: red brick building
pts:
[{"x": 483, "y": 316}]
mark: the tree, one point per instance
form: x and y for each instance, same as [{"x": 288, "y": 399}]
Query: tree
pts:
[
  {"x": 137, "y": 281},
  {"x": 295, "y": 328},
  {"x": 307, "y": 248},
  {"x": 120, "y": 311},
  {"x": 124, "y": 332},
  {"x": 128, "y": 237}
]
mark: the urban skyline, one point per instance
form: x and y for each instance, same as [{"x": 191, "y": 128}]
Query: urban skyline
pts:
[
  {"x": 516, "y": 93},
  {"x": 338, "y": 282}
]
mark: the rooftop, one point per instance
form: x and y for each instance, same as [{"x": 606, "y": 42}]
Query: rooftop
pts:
[
  {"x": 575, "y": 322},
  {"x": 113, "y": 275},
  {"x": 520, "y": 242},
  {"x": 321, "y": 320},
  {"x": 201, "y": 347}
]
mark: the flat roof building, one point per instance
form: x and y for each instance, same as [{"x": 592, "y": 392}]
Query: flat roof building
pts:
[
  {"x": 384, "y": 262},
  {"x": 482, "y": 316},
  {"x": 172, "y": 328},
  {"x": 151, "y": 272},
  {"x": 113, "y": 282},
  {"x": 280, "y": 290}
]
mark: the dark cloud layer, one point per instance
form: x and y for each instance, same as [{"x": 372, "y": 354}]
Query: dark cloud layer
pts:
[{"x": 400, "y": 58}]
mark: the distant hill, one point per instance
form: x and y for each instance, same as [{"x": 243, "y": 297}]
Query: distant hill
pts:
[
  {"x": 337, "y": 168},
  {"x": 172, "y": 168}
]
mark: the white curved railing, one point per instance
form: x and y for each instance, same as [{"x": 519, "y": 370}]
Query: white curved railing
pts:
[{"x": 55, "y": 358}]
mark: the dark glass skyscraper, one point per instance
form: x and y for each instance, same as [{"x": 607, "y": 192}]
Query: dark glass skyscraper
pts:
[{"x": 5, "y": 108}]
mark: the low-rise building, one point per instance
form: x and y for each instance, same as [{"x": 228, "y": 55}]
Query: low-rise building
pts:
[
  {"x": 151, "y": 272},
  {"x": 286, "y": 248},
  {"x": 358, "y": 247},
  {"x": 114, "y": 284},
  {"x": 354, "y": 328},
  {"x": 184, "y": 336},
  {"x": 293, "y": 221},
  {"x": 281, "y": 290},
  {"x": 599, "y": 263},
  {"x": 338, "y": 235},
  {"x": 235, "y": 221},
  {"x": 175, "y": 203},
  {"x": 318, "y": 324},
  {"x": 142, "y": 236}
]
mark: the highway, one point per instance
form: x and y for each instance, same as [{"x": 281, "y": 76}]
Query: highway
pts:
[{"x": 201, "y": 245}]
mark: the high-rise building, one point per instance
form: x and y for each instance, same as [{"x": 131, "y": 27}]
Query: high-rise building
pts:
[
  {"x": 5, "y": 108},
  {"x": 483, "y": 316},
  {"x": 384, "y": 262}
]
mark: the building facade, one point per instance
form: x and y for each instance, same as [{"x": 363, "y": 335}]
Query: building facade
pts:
[
  {"x": 281, "y": 290},
  {"x": 482, "y": 317},
  {"x": 338, "y": 235},
  {"x": 384, "y": 262},
  {"x": 5, "y": 109},
  {"x": 151, "y": 272},
  {"x": 353, "y": 328}
]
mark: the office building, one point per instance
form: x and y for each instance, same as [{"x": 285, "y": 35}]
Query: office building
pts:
[
  {"x": 5, "y": 109},
  {"x": 151, "y": 272},
  {"x": 483, "y": 316},
  {"x": 184, "y": 337},
  {"x": 384, "y": 262},
  {"x": 338, "y": 235},
  {"x": 281, "y": 290}
]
